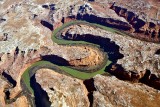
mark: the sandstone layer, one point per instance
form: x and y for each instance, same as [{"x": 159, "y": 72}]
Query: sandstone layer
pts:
[{"x": 95, "y": 60}]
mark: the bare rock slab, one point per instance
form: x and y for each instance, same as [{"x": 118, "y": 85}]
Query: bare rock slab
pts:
[
  {"x": 112, "y": 92},
  {"x": 62, "y": 90}
]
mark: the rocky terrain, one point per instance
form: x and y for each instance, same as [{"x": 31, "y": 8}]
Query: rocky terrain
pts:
[
  {"x": 109, "y": 91},
  {"x": 140, "y": 55},
  {"x": 95, "y": 59},
  {"x": 60, "y": 91},
  {"x": 112, "y": 92},
  {"x": 26, "y": 28}
]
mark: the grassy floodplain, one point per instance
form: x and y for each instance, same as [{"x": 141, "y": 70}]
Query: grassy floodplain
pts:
[{"x": 72, "y": 72}]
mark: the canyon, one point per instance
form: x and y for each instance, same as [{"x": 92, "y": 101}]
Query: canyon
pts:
[{"x": 127, "y": 33}]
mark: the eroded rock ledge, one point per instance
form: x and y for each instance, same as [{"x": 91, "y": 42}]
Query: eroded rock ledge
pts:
[
  {"x": 62, "y": 90},
  {"x": 146, "y": 30},
  {"x": 114, "y": 92}
]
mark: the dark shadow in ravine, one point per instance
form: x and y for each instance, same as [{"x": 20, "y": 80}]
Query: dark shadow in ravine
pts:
[
  {"x": 106, "y": 44},
  {"x": 157, "y": 52},
  {"x": 10, "y": 79},
  {"x": 47, "y": 24},
  {"x": 55, "y": 59},
  {"x": 151, "y": 80},
  {"x": 90, "y": 97},
  {"x": 109, "y": 22},
  {"x": 7, "y": 93},
  {"x": 120, "y": 72},
  {"x": 41, "y": 97},
  {"x": 90, "y": 87},
  {"x": 51, "y": 6},
  {"x": 131, "y": 17}
]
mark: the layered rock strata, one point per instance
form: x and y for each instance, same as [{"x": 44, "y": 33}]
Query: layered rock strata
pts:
[
  {"x": 95, "y": 60},
  {"x": 148, "y": 30}
]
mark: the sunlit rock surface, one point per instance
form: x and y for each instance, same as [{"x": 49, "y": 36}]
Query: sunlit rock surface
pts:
[
  {"x": 112, "y": 92},
  {"x": 62, "y": 90}
]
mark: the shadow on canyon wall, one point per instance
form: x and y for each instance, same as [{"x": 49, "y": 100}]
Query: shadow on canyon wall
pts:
[
  {"x": 109, "y": 22},
  {"x": 55, "y": 59},
  {"x": 149, "y": 29},
  {"x": 9, "y": 78},
  {"x": 89, "y": 83},
  {"x": 50, "y": 6},
  {"x": 106, "y": 44},
  {"x": 151, "y": 80},
  {"x": 41, "y": 97},
  {"x": 157, "y": 52},
  {"x": 129, "y": 16},
  {"x": 47, "y": 24},
  {"x": 145, "y": 77}
]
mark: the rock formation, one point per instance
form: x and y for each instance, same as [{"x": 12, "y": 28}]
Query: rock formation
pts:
[
  {"x": 112, "y": 92},
  {"x": 62, "y": 90},
  {"x": 26, "y": 28},
  {"x": 150, "y": 30},
  {"x": 95, "y": 59}
]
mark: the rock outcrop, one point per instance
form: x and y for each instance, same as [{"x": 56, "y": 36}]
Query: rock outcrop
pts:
[
  {"x": 4, "y": 85},
  {"x": 20, "y": 102},
  {"x": 112, "y": 92},
  {"x": 109, "y": 91},
  {"x": 95, "y": 60},
  {"x": 62, "y": 90},
  {"x": 144, "y": 30}
]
